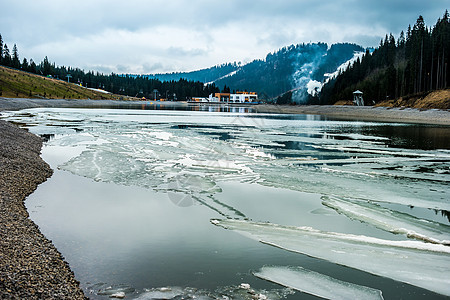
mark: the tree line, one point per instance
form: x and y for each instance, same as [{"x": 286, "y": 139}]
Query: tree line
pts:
[
  {"x": 416, "y": 63},
  {"x": 129, "y": 85}
]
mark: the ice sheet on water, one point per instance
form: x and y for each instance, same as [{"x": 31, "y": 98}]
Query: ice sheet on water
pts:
[
  {"x": 167, "y": 293},
  {"x": 105, "y": 289},
  {"x": 112, "y": 166},
  {"x": 78, "y": 139},
  {"x": 316, "y": 284},
  {"x": 243, "y": 291},
  {"x": 436, "y": 171},
  {"x": 390, "y": 220},
  {"x": 360, "y": 178},
  {"x": 358, "y": 136},
  {"x": 421, "y": 264},
  {"x": 150, "y": 155},
  {"x": 330, "y": 158}
]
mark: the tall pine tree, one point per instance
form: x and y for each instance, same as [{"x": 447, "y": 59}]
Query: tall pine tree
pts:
[
  {"x": 1, "y": 49},
  {"x": 15, "y": 63},
  {"x": 6, "y": 60}
]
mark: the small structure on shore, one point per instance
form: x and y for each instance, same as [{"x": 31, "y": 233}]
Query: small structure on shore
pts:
[
  {"x": 238, "y": 97},
  {"x": 358, "y": 98}
]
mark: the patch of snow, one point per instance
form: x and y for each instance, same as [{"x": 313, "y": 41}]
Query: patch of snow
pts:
[
  {"x": 224, "y": 76},
  {"x": 99, "y": 90},
  {"x": 344, "y": 66}
]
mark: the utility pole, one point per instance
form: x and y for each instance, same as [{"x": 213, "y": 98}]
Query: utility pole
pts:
[{"x": 68, "y": 77}]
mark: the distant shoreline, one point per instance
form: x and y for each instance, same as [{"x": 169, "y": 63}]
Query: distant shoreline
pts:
[
  {"x": 364, "y": 113},
  {"x": 358, "y": 113}
]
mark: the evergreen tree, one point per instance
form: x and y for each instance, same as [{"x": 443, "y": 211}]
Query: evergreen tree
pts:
[
  {"x": 401, "y": 40},
  {"x": 25, "y": 65},
  {"x": 32, "y": 68},
  {"x": 15, "y": 63},
  {"x": 46, "y": 67},
  {"x": 1, "y": 50},
  {"x": 6, "y": 56}
]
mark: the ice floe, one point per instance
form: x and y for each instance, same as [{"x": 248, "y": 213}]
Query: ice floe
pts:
[
  {"x": 104, "y": 289},
  {"x": 389, "y": 220},
  {"x": 421, "y": 264},
  {"x": 244, "y": 291},
  {"x": 316, "y": 284}
]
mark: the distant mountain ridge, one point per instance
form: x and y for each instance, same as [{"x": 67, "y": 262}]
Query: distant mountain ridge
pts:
[
  {"x": 300, "y": 69},
  {"x": 204, "y": 75}
]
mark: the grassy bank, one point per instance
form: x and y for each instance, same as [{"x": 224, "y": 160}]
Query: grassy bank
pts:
[
  {"x": 439, "y": 99},
  {"x": 19, "y": 84}
]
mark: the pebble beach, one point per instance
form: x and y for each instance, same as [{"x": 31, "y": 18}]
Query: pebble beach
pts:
[{"x": 30, "y": 265}]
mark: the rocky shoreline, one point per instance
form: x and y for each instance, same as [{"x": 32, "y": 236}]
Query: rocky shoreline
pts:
[{"x": 30, "y": 265}]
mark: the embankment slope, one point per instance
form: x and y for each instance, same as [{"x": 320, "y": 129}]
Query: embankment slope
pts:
[{"x": 18, "y": 84}]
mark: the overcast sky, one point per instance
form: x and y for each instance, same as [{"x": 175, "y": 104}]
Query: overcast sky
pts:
[{"x": 149, "y": 36}]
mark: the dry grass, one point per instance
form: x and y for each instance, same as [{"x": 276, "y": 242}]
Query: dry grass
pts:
[
  {"x": 18, "y": 84},
  {"x": 437, "y": 99},
  {"x": 345, "y": 102}
]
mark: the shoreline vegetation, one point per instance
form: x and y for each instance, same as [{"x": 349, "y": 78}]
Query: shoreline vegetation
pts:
[{"x": 30, "y": 265}]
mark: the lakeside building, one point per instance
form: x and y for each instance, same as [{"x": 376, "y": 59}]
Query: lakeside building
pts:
[{"x": 239, "y": 97}]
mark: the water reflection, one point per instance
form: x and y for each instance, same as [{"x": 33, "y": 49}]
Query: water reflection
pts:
[
  {"x": 210, "y": 164},
  {"x": 197, "y": 107},
  {"x": 423, "y": 137}
]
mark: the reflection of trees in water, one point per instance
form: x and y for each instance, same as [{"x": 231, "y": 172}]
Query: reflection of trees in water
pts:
[{"x": 444, "y": 213}]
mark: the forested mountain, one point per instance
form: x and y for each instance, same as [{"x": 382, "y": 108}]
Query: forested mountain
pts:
[
  {"x": 416, "y": 63},
  {"x": 204, "y": 75},
  {"x": 291, "y": 68},
  {"x": 136, "y": 86}
]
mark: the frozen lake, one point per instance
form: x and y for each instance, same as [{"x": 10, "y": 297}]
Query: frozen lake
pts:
[{"x": 198, "y": 204}]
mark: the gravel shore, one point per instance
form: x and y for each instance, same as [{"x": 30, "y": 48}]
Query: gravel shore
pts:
[{"x": 30, "y": 265}]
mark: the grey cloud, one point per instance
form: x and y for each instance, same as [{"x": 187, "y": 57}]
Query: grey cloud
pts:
[
  {"x": 179, "y": 51},
  {"x": 269, "y": 24},
  {"x": 102, "y": 69},
  {"x": 153, "y": 68},
  {"x": 277, "y": 38},
  {"x": 366, "y": 40}
]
